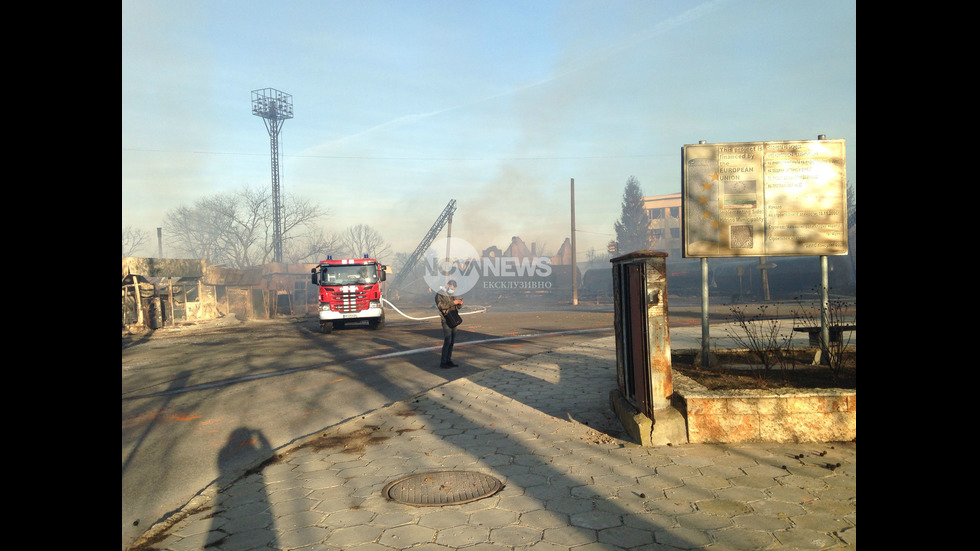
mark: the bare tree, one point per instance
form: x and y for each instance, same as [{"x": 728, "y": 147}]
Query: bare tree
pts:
[
  {"x": 244, "y": 216},
  {"x": 852, "y": 209},
  {"x": 361, "y": 240},
  {"x": 133, "y": 239},
  {"x": 597, "y": 258},
  {"x": 236, "y": 228},
  {"x": 191, "y": 233},
  {"x": 312, "y": 246},
  {"x": 299, "y": 227},
  {"x": 400, "y": 259}
]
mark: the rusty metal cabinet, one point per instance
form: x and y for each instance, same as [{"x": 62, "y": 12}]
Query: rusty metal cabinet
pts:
[{"x": 642, "y": 332}]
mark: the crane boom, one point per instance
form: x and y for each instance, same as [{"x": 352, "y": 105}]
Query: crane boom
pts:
[{"x": 440, "y": 223}]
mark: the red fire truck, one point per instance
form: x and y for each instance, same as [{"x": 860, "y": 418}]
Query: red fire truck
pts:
[{"x": 350, "y": 291}]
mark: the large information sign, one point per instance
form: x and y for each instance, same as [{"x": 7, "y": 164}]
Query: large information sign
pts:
[{"x": 764, "y": 199}]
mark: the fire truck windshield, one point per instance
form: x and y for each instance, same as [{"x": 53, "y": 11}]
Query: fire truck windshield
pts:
[{"x": 348, "y": 275}]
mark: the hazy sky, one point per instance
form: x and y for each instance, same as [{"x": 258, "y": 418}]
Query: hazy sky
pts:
[{"x": 400, "y": 106}]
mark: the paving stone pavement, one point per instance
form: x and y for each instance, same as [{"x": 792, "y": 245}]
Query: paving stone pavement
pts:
[{"x": 571, "y": 479}]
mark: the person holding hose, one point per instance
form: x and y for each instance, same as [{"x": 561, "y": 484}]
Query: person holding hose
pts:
[{"x": 446, "y": 301}]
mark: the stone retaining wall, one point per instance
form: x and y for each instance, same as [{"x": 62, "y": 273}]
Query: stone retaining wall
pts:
[{"x": 777, "y": 415}]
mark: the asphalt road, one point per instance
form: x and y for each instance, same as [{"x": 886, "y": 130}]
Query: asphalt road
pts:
[{"x": 192, "y": 392}]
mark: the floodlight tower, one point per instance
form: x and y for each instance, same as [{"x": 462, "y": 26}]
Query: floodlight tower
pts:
[{"x": 274, "y": 107}]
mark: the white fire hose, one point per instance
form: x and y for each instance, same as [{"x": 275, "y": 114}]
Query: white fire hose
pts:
[{"x": 483, "y": 309}]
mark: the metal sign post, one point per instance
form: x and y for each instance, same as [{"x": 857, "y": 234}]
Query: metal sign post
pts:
[{"x": 776, "y": 198}]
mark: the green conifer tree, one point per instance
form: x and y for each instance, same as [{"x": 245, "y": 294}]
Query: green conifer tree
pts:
[{"x": 632, "y": 229}]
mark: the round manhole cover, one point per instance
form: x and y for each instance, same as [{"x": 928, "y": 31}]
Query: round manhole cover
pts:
[{"x": 442, "y": 488}]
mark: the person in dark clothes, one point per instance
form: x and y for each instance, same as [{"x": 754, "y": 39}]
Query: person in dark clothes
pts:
[{"x": 446, "y": 301}]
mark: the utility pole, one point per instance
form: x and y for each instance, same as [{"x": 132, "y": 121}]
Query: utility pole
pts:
[{"x": 574, "y": 267}]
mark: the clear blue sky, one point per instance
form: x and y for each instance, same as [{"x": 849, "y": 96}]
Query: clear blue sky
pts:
[{"x": 401, "y": 106}]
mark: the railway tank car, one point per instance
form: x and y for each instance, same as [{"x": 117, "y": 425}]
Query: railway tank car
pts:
[
  {"x": 735, "y": 279},
  {"x": 787, "y": 277}
]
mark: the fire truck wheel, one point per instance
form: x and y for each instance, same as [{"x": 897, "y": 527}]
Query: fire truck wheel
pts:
[
  {"x": 326, "y": 327},
  {"x": 378, "y": 323}
]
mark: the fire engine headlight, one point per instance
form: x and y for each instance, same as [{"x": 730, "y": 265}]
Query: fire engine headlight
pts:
[
  {"x": 324, "y": 307},
  {"x": 374, "y": 304}
]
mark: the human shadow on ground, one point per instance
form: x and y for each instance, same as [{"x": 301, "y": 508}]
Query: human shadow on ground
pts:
[{"x": 243, "y": 518}]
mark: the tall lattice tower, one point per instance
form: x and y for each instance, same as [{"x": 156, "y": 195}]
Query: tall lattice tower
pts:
[{"x": 274, "y": 107}]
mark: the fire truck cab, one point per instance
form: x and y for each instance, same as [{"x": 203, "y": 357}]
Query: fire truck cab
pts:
[{"x": 350, "y": 291}]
